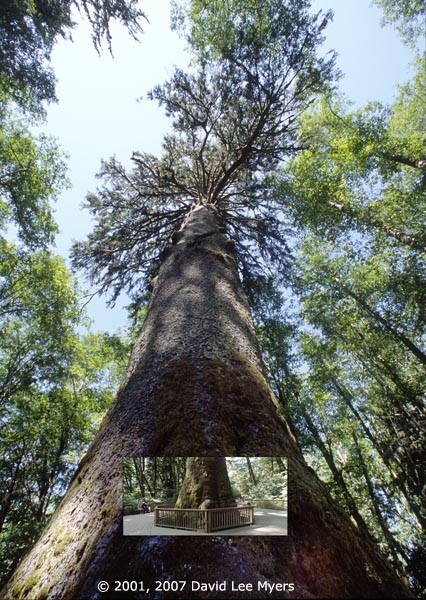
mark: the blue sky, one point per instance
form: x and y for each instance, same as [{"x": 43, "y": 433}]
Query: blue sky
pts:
[{"x": 98, "y": 114}]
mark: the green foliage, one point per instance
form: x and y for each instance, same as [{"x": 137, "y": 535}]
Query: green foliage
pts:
[
  {"x": 408, "y": 16},
  {"x": 265, "y": 30},
  {"x": 363, "y": 171},
  {"x": 100, "y": 14},
  {"x": 29, "y": 29},
  {"x": 32, "y": 174},
  {"x": 156, "y": 479},
  {"x": 55, "y": 383},
  {"x": 27, "y": 39},
  {"x": 56, "y": 386},
  {"x": 270, "y": 480},
  {"x": 347, "y": 352}
]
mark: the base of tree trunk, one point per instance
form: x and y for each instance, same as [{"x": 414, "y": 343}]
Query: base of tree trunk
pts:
[
  {"x": 206, "y": 484},
  {"x": 324, "y": 556}
]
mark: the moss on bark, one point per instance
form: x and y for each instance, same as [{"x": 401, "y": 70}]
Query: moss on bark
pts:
[{"x": 206, "y": 484}]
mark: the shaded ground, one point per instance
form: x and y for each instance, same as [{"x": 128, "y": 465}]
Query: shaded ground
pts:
[{"x": 267, "y": 522}]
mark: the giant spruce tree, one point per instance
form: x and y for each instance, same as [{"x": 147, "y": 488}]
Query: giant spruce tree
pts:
[
  {"x": 189, "y": 222},
  {"x": 206, "y": 484}
]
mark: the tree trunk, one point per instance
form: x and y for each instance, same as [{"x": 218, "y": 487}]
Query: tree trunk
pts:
[
  {"x": 400, "y": 479},
  {"x": 398, "y": 335},
  {"x": 394, "y": 546},
  {"x": 206, "y": 484},
  {"x": 195, "y": 386},
  {"x": 128, "y": 477},
  {"x": 10, "y": 483},
  {"x": 281, "y": 464},
  {"x": 251, "y": 472},
  {"x": 139, "y": 473}
]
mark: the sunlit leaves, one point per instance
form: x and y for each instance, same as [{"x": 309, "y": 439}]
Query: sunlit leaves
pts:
[
  {"x": 56, "y": 383},
  {"x": 362, "y": 171},
  {"x": 408, "y": 16},
  {"x": 32, "y": 173}
]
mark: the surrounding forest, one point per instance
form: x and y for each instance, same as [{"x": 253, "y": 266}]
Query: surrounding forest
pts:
[
  {"x": 160, "y": 479},
  {"x": 156, "y": 479},
  {"x": 323, "y": 211},
  {"x": 56, "y": 378}
]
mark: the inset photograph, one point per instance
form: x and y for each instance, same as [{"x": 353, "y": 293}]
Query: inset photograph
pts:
[{"x": 207, "y": 495}]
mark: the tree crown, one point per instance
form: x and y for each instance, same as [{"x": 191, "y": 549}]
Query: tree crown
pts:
[{"x": 233, "y": 120}]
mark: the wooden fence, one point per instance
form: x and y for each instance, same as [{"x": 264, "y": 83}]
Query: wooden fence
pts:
[{"x": 207, "y": 520}]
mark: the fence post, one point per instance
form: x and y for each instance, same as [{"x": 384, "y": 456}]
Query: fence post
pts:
[
  {"x": 208, "y": 520},
  {"x": 155, "y": 516}
]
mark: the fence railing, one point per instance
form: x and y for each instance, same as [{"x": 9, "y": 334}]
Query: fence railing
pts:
[{"x": 207, "y": 520}]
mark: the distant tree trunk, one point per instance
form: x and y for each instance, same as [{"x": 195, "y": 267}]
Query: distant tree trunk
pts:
[
  {"x": 400, "y": 479},
  {"x": 364, "y": 355},
  {"x": 154, "y": 476},
  {"x": 251, "y": 472},
  {"x": 196, "y": 386},
  {"x": 328, "y": 456},
  {"x": 176, "y": 471},
  {"x": 139, "y": 472},
  {"x": 394, "y": 546},
  {"x": 398, "y": 335},
  {"x": 281, "y": 464},
  {"x": 336, "y": 473},
  {"x": 9, "y": 487},
  {"x": 127, "y": 478},
  {"x": 206, "y": 484},
  {"x": 168, "y": 477}
]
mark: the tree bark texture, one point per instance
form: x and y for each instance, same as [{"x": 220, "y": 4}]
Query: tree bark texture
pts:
[
  {"x": 196, "y": 386},
  {"x": 206, "y": 484}
]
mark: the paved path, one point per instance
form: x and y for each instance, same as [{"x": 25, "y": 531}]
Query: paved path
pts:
[{"x": 267, "y": 522}]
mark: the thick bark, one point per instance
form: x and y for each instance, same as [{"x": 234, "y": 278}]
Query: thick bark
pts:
[
  {"x": 195, "y": 386},
  {"x": 206, "y": 484}
]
